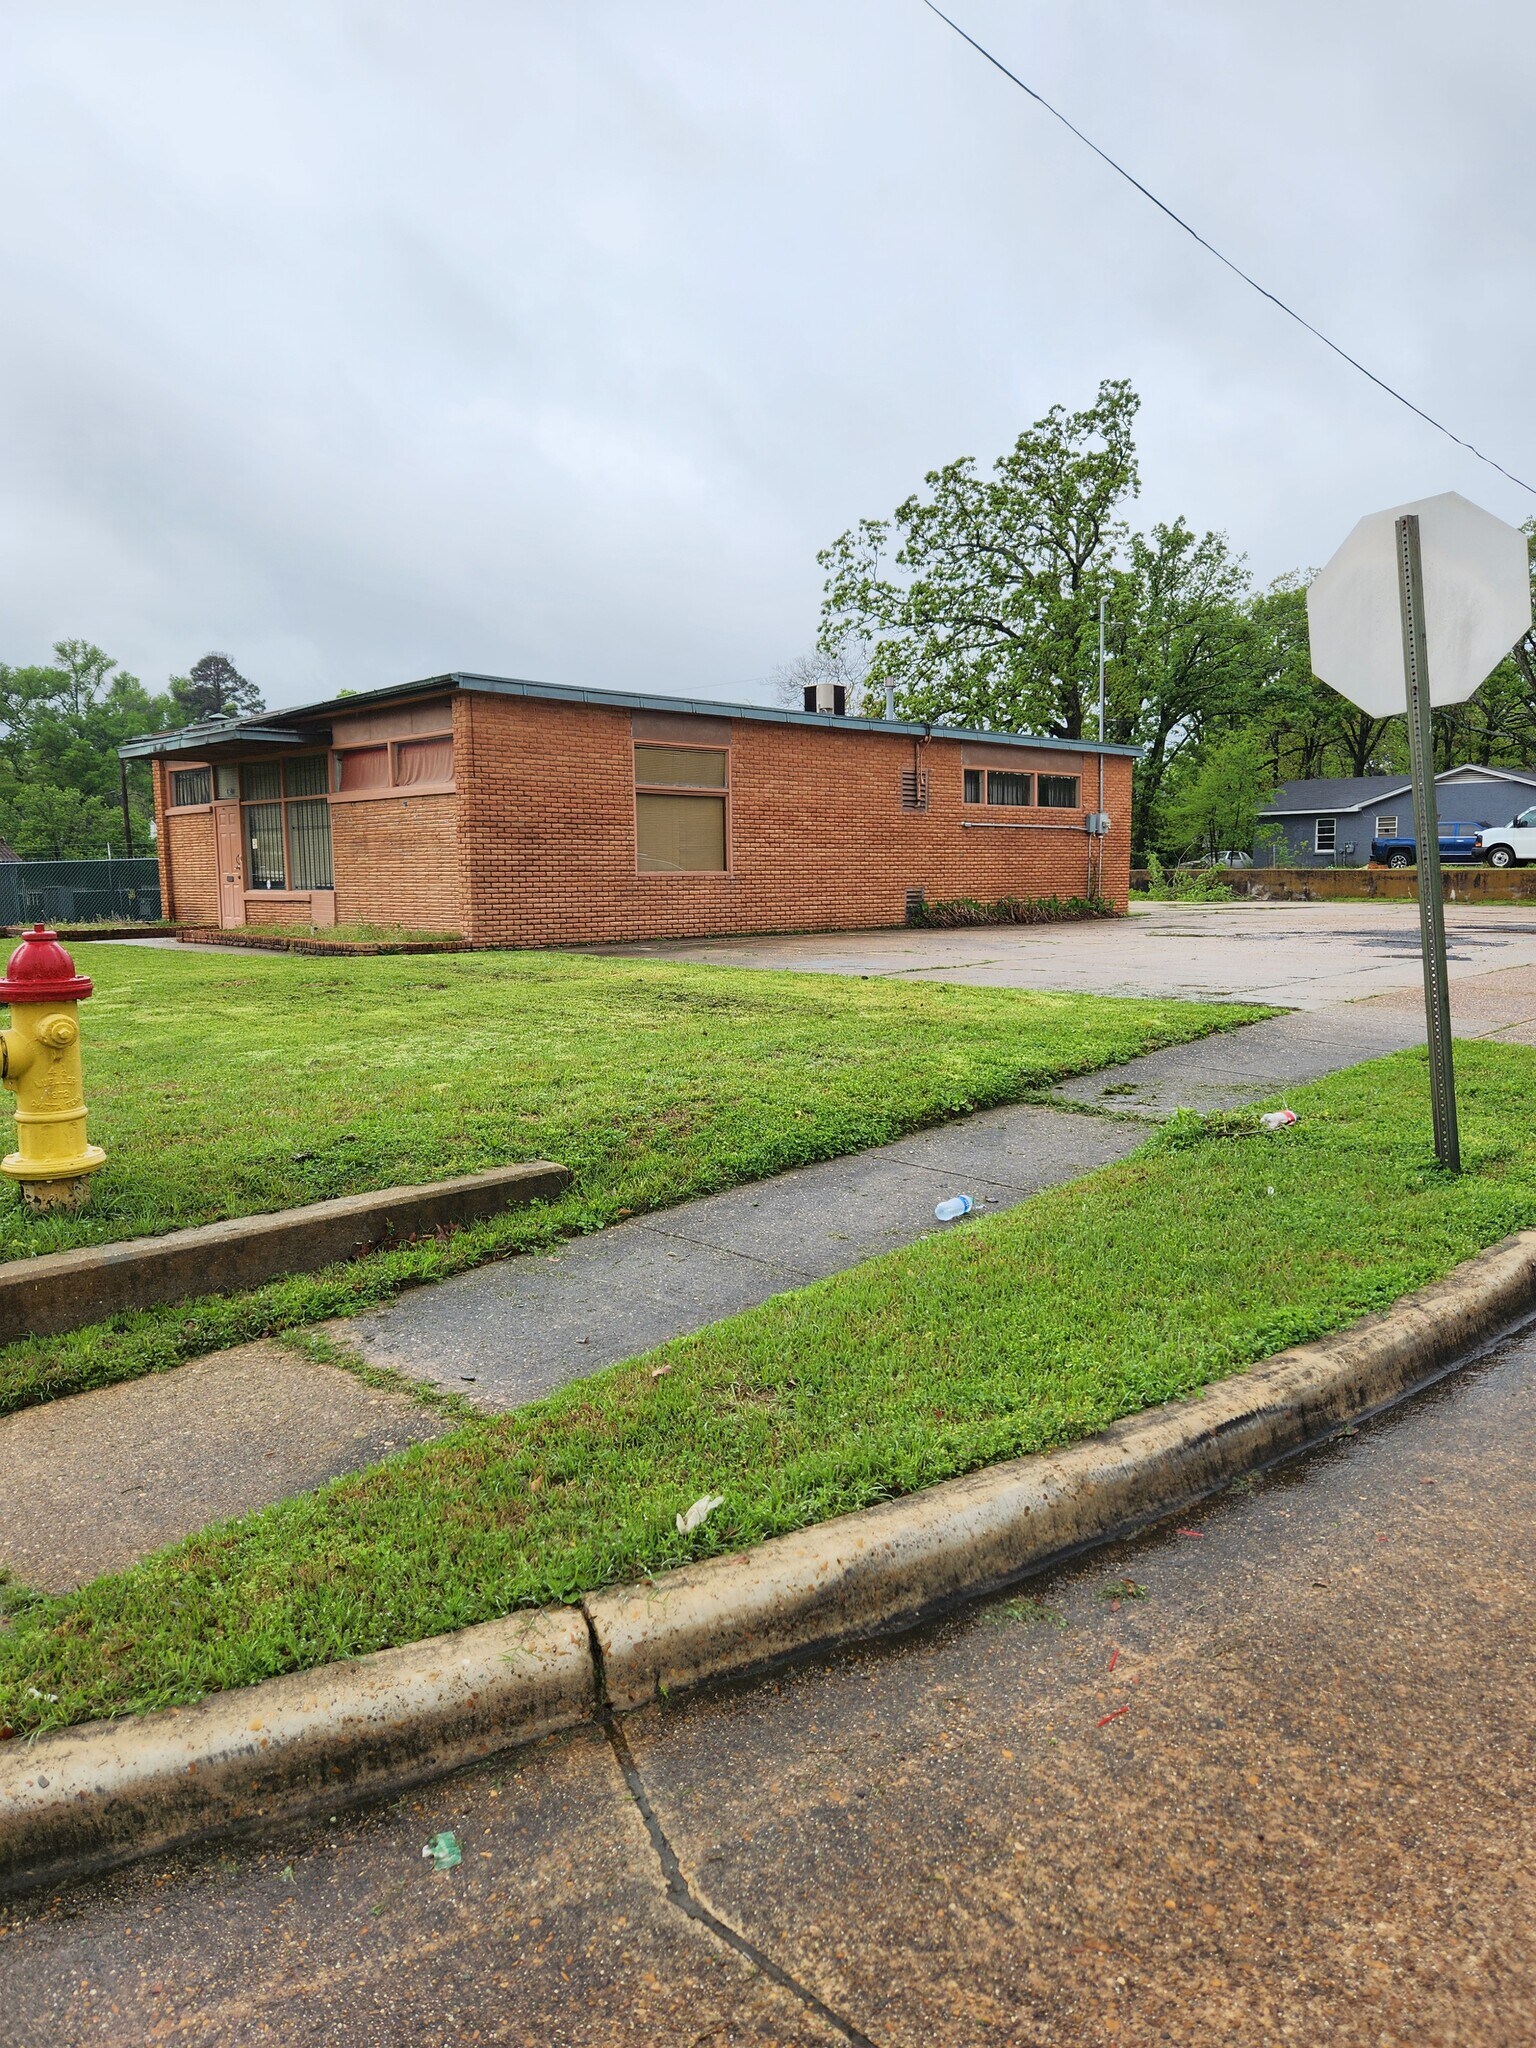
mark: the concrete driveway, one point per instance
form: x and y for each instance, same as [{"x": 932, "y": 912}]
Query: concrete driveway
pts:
[{"x": 1306, "y": 956}]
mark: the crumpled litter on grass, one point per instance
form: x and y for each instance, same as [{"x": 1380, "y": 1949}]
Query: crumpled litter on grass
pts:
[{"x": 705, "y": 1505}]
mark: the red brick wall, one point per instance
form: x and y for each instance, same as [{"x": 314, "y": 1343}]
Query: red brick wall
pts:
[
  {"x": 271, "y": 907},
  {"x": 818, "y": 837},
  {"x": 396, "y": 861},
  {"x": 185, "y": 845}
]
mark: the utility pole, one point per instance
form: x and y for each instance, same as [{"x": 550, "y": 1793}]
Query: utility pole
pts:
[{"x": 122, "y": 785}]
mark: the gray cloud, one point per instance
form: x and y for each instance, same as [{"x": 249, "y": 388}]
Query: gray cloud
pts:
[{"x": 369, "y": 340}]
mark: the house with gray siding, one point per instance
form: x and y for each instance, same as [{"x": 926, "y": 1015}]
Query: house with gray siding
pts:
[{"x": 1329, "y": 822}]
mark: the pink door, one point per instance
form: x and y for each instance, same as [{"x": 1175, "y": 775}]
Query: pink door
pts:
[{"x": 226, "y": 822}]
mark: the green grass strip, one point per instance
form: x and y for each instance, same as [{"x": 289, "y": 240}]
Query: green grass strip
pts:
[
  {"x": 225, "y": 1086},
  {"x": 1214, "y": 1245}
]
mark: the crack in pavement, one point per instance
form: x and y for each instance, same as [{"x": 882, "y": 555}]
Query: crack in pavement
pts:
[{"x": 681, "y": 1894}]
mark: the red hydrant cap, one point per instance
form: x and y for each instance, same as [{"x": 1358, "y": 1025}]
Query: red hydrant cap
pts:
[{"x": 42, "y": 972}]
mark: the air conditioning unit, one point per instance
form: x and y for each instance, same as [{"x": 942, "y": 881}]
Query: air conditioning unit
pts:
[{"x": 830, "y": 699}]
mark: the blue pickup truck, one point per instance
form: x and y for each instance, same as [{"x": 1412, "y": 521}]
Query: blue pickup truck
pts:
[{"x": 1457, "y": 842}]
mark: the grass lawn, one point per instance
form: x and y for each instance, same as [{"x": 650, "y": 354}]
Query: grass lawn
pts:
[
  {"x": 1202, "y": 1252},
  {"x": 223, "y": 1085}
]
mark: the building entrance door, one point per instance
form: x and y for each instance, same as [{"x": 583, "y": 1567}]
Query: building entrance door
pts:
[{"x": 226, "y": 825}]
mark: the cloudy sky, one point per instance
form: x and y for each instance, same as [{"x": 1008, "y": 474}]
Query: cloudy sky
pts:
[{"x": 370, "y": 340}]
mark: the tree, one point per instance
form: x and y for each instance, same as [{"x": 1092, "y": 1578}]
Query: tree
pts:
[
  {"x": 989, "y": 615},
  {"x": 214, "y": 688},
  {"x": 1215, "y": 810},
  {"x": 60, "y": 728},
  {"x": 45, "y": 821},
  {"x": 1183, "y": 662}
]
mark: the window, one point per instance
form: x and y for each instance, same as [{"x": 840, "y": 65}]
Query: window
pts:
[
  {"x": 680, "y": 809},
  {"x": 1009, "y": 789},
  {"x": 1527, "y": 818},
  {"x": 1386, "y": 828},
  {"x": 686, "y": 767},
  {"x": 395, "y": 764},
  {"x": 424, "y": 761},
  {"x": 226, "y": 782},
  {"x": 973, "y": 785},
  {"x": 191, "y": 786},
  {"x": 1059, "y": 792},
  {"x": 362, "y": 768},
  {"x": 287, "y": 824},
  {"x": 1326, "y": 834}
]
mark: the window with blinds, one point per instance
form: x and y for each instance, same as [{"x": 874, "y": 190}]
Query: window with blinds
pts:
[
  {"x": 287, "y": 824},
  {"x": 680, "y": 805},
  {"x": 1006, "y": 788},
  {"x": 191, "y": 786}
]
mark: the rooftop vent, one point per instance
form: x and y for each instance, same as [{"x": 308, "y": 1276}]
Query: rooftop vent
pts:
[{"x": 831, "y": 699}]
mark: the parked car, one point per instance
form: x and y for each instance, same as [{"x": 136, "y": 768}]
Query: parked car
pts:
[
  {"x": 1510, "y": 846},
  {"x": 1457, "y": 842}
]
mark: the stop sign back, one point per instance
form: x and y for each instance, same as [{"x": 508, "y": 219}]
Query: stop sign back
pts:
[{"x": 1477, "y": 604}]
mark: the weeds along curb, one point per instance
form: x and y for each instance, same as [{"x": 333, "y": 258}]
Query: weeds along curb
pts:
[{"x": 86, "y": 1798}]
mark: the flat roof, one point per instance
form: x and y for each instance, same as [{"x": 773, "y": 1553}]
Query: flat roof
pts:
[{"x": 272, "y": 729}]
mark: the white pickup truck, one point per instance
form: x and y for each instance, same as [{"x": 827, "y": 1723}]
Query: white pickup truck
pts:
[{"x": 1511, "y": 846}]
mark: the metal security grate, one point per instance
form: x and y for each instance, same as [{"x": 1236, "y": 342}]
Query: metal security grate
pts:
[
  {"x": 915, "y": 901},
  {"x": 79, "y": 891}
]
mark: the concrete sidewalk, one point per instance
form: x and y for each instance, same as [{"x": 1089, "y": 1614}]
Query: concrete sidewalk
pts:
[
  {"x": 113, "y": 1474},
  {"x": 505, "y": 1333}
]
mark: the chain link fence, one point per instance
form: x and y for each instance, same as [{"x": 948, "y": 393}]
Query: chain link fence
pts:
[{"x": 79, "y": 891}]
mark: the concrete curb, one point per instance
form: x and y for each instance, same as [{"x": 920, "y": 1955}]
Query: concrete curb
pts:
[
  {"x": 66, "y": 1290},
  {"x": 111, "y": 1791},
  {"x": 105, "y": 1793}
]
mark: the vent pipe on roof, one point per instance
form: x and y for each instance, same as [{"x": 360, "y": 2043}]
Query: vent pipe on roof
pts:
[{"x": 890, "y": 700}]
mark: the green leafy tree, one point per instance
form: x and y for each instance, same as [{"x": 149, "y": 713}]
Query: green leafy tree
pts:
[
  {"x": 1214, "y": 809},
  {"x": 1183, "y": 658},
  {"x": 60, "y": 728},
  {"x": 979, "y": 600}
]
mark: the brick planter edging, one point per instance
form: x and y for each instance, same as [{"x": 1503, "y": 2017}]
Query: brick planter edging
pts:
[
  {"x": 59, "y": 1291},
  {"x": 105, "y": 1793}
]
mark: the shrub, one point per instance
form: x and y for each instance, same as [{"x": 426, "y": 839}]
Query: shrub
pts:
[{"x": 963, "y": 910}]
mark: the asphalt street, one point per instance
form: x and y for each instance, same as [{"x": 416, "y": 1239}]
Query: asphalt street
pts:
[{"x": 1261, "y": 1775}]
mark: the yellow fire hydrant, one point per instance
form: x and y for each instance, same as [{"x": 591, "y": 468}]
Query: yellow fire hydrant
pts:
[{"x": 40, "y": 1064}]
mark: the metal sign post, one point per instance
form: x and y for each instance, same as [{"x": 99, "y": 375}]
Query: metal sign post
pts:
[
  {"x": 1426, "y": 825},
  {"x": 1429, "y": 595}
]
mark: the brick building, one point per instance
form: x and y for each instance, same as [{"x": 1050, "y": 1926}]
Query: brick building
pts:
[{"x": 524, "y": 814}]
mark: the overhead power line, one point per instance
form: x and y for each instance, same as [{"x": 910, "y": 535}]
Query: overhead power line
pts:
[{"x": 1237, "y": 270}]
